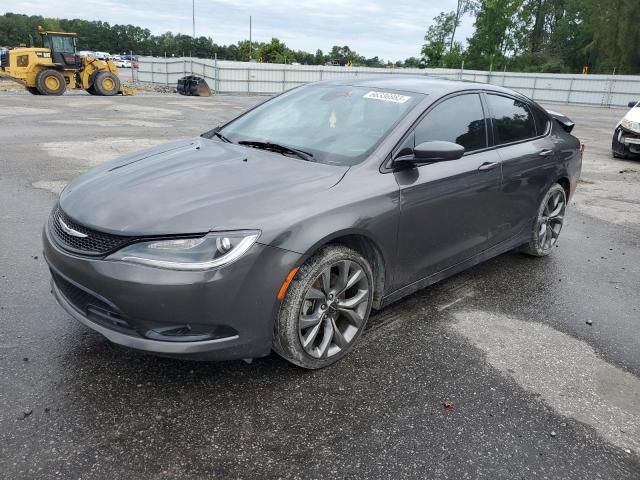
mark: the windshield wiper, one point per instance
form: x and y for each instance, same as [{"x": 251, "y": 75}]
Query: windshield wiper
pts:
[
  {"x": 274, "y": 147},
  {"x": 222, "y": 137}
]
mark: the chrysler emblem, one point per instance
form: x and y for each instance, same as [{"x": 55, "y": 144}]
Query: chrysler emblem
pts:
[{"x": 71, "y": 231}]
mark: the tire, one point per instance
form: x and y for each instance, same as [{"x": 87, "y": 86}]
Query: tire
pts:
[
  {"x": 618, "y": 150},
  {"x": 338, "y": 316},
  {"x": 50, "y": 82},
  {"x": 91, "y": 90},
  {"x": 548, "y": 222},
  {"x": 106, "y": 84},
  {"x": 33, "y": 90}
]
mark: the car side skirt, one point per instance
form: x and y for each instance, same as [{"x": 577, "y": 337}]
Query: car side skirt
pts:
[{"x": 494, "y": 251}]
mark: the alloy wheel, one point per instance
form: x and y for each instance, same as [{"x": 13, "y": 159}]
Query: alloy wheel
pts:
[
  {"x": 551, "y": 221},
  {"x": 333, "y": 310}
]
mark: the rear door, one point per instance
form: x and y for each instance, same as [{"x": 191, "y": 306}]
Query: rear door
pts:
[
  {"x": 528, "y": 157},
  {"x": 447, "y": 207}
]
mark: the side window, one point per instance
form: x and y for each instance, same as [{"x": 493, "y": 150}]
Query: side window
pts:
[
  {"x": 542, "y": 120},
  {"x": 459, "y": 120},
  {"x": 512, "y": 119}
]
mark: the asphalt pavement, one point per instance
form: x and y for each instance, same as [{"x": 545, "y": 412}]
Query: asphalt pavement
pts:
[{"x": 517, "y": 368}]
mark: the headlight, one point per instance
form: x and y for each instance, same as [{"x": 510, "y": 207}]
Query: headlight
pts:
[
  {"x": 202, "y": 253},
  {"x": 629, "y": 125}
]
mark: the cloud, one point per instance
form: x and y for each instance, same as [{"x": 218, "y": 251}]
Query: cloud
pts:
[{"x": 390, "y": 30}]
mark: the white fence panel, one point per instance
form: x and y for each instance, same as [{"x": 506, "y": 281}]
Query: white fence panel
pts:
[{"x": 268, "y": 79}]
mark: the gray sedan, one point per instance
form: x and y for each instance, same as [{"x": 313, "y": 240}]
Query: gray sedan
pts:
[{"x": 284, "y": 228}]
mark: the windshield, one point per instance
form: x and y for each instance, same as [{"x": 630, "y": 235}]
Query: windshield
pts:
[
  {"x": 339, "y": 125},
  {"x": 59, "y": 43}
]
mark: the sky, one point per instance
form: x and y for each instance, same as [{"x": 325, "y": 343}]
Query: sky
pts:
[{"x": 392, "y": 30}]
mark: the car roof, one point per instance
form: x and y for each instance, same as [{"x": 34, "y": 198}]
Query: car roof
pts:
[{"x": 423, "y": 84}]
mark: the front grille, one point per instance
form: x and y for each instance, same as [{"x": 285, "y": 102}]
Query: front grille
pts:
[
  {"x": 95, "y": 243},
  {"x": 91, "y": 306}
]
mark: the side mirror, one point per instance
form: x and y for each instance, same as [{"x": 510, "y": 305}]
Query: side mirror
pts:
[
  {"x": 429, "y": 152},
  {"x": 632, "y": 104}
]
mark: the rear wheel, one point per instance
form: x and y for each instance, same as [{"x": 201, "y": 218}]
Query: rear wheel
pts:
[
  {"x": 107, "y": 84},
  {"x": 549, "y": 222},
  {"x": 50, "y": 82},
  {"x": 326, "y": 308}
]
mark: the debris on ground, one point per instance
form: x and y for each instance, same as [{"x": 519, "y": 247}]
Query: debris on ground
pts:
[
  {"x": 448, "y": 404},
  {"x": 553, "y": 434},
  {"x": 26, "y": 412},
  {"x": 589, "y": 322}
]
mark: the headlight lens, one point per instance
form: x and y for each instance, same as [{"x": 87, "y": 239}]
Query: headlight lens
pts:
[
  {"x": 203, "y": 253},
  {"x": 629, "y": 125}
]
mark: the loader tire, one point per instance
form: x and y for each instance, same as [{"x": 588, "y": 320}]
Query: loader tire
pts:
[
  {"x": 50, "y": 82},
  {"x": 92, "y": 91},
  {"x": 106, "y": 84},
  {"x": 33, "y": 90}
]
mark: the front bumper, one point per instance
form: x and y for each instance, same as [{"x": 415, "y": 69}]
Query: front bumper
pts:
[
  {"x": 219, "y": 314},
  {"x": 626, "y": 141}
]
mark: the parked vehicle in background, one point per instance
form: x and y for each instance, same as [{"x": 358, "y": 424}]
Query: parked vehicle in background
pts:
[
  {"x": 626, "y": 137},
  {"x": 282, "y": 229},
  {"x": 122, "y": 63},
  {"x": 102, "y": 55}
]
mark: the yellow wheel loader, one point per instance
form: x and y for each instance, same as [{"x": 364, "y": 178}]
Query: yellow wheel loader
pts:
[{"x": 56, "y": 66}]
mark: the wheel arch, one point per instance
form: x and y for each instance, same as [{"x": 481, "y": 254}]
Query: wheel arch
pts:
[
  {"x": 564, "y": 182},
  {"x": 366, "y": 246}
]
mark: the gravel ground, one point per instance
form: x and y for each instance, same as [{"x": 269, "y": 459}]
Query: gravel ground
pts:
[{"x": 516, "y": 368}]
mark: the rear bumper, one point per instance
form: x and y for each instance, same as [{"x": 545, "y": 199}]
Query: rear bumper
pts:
[{"x": 220, "y": 314}]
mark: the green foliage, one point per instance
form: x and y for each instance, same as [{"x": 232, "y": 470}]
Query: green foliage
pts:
[
  {"x": 438, "y": 38},
  {"x": 556, "y": 36}
]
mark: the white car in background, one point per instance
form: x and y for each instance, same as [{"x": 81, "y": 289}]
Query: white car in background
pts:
[
  {"x": 102, "y": 55},
  {"x": 626, "y": 137},
  {"x": 122, "y": 63}
]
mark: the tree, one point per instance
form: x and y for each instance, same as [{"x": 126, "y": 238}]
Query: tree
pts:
[
  {"x": 437, "y": 38},
  {"x": 462, "y": 8},
  {"x": 494, "y": 32}
]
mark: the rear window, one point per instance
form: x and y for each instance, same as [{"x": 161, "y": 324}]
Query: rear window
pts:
[{"x": 512, "y": 118}]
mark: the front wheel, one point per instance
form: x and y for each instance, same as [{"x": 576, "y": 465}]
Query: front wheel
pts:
[
  {"x": 325, "y": 309},
  {"x": 618, "y": 149},
  {"x": 549, "y": 222}
]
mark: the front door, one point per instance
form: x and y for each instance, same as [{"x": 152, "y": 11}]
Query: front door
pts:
[{"x": 447, "y": 208}]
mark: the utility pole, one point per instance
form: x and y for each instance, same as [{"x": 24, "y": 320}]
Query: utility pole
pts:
[
  {"x": 250, "y": 46},
  {"x": 193, "y": 11}
]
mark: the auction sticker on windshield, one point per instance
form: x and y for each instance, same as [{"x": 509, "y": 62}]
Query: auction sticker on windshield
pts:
[{"x": 387, "y": 97}]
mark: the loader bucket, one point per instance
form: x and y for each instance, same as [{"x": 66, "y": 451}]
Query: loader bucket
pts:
[{"x": 193, "y": 86}]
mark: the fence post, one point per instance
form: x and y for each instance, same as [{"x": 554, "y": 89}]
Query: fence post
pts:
[
  {"x": 533, "y": 93},
  {"x": 215, "y": 73},
  {"x": 570, "y": 89},
  {"x": 152, "y": 65},
  {"x": 248, "y": 80},
  {"x": 284, "y": 77},
  {"x": 461, "y": 70}
]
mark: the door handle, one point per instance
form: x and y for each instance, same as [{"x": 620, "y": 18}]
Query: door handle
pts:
[
  {"x": 545, "y": 152},
  {"x": 488, "y": 166}
]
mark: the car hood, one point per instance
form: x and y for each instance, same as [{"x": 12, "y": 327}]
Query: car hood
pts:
[
  {"x": 194, "y": 186},
  {"x": 633, "y": 115}
]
